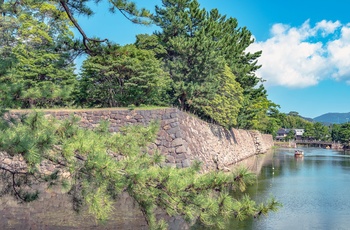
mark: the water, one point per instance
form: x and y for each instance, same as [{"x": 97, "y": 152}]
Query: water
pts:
[{"x": 314, "y": 190}]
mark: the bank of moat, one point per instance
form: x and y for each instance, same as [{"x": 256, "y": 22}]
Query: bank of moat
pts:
[{"x": 182, "y": 138}]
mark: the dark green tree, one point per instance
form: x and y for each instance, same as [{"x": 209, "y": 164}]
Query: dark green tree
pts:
[
  {"x": 294, "y": 121},
  {"x": 335, "y": 130},
  {"x": 81, "y": 7},
  {"x": 272, "y": 121},
  {"x": 309, "y": 133},
  {"x": 37, "y": 67},
  {"x": 197, "y": 43},
  {"x": 190, "y": 57},
  {"x": 341, "y": 133},
  {"x": 122, "y": 76},
  {"x": 151, "y": 43},
  {"x": 321, "y": 132},
  {"x": 290, "y": 135},
  {"x": 70, "y": 9},
  {"x": 225, "y": 105}
]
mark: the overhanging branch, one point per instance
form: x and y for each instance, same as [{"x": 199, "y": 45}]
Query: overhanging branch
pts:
[{"x": 86, "y": 39}]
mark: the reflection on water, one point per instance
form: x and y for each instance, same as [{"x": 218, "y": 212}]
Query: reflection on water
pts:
[{"x": 313, "y": 190}]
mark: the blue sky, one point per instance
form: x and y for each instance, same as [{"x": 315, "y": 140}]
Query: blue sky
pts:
[{"x": 305, "y": 44}]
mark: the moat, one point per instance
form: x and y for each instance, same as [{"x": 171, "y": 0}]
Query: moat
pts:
[{"x": 313, "y": 190}]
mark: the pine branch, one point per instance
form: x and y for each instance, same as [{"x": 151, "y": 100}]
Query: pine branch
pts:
[{"x": 86, "y": 39}]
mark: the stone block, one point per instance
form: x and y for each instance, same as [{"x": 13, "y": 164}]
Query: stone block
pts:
[
  {"x": 138, "y": 117},
  {"x": 180, "y": 157},
  {"x": 158, "y": 142},
  {"x": 117, "y": 116},
  {"x": 178, "y": 134},
  {"x": 162, "y": 134},
  {"x": 166, "y": 143},
  {"x": 163, "y": 150},
  {"x": 186, "y": 163},
  {"x": 145, "y": 113},
  {"x": 177, "y": 142},
  {"x": 173, "y": 130},
  {"x": 170, "y": 159},
  {"x": 172, "y": 151},
  {"x": 174, "y": 124},
  {"x": 170, "y": 137},
  {"x": 166, "y": 116},
  {"x": 180, "y": 149}
]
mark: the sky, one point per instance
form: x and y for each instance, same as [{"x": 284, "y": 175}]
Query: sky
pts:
[{"x": 305, "y": 47}]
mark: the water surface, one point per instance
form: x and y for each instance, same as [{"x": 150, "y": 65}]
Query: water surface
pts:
[{"x": 314, "y": 190}]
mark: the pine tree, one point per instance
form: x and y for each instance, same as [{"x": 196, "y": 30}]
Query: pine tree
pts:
[
  {"x": 199, "y": 44},
  {"x": 226, "y": 104},
  {"x": 101, "y": 165},
  {"x": 81, "y": 7},
  {"x": 123, "y": 76},
  {"x": 190, "y": 57},
  {"x": 38, "y": 70}
]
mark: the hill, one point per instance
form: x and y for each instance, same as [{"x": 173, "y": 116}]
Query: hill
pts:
[
  {"x": 333, "y": 118},
  {"x": 307, "y": 118}
]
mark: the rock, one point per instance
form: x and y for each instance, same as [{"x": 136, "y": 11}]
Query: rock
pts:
[
  {"x": 7, "y": 161},
  {"x": 177, "y": 142},
  {"x": 186, "y": 163},
  {"x": 170, "y": 159},
  {"x": 180, "y": 149}
]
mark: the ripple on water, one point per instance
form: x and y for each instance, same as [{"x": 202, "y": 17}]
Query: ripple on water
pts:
[{"x": 314, "y": 191}]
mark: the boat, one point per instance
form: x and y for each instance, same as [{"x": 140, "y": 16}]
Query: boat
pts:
[{"x": 299, "y": 153}]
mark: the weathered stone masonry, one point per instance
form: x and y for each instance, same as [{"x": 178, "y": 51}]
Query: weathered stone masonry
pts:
[{"x": 182, "y": 138}]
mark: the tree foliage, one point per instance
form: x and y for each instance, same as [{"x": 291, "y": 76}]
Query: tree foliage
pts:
[
  {"x": 199, "y": 45},
  {"x": 36, "y": 58},
  {"x": 198, "y": 49},
  {"x": 123, "y": 76},
  {"x": 80, "y": 7},
  {"x": 225, "y": 105},
  {"x": 190, "y": 56},
  {"x": 292, "y": 121},
  {"x": 198, "y": 62},
  {"x": 321, "y": 132},
  {"x": 101, "y": 166},
  {"x": 341, "y": 133}
]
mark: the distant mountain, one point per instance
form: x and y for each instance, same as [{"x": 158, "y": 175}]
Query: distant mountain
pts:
[
  {"x": 308, "y": 119},
  {"x": 333, "y": 118}
]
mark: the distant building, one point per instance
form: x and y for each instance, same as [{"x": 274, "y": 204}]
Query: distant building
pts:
[
  {"x": 282, "y": 133},
  {"x": 299, "y": 132}
]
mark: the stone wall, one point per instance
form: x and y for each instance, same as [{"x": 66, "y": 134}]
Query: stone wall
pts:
[
  {"x": 217, "y": 147},
  {"x": 182, "y": 138}
]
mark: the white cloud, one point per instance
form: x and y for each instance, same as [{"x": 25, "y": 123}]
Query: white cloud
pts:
[
  {"x": 339, "y": 54},
  {"x": 302, "y": 56},
  {"x": 327, "y": 27}
]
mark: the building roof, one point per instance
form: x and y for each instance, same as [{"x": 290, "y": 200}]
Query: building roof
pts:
[{"x": 298, "y": 132}]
